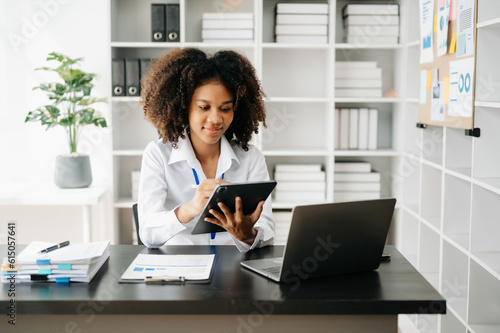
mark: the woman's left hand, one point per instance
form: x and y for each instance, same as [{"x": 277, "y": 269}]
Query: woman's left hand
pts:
[{"x": 239, "y": 225}]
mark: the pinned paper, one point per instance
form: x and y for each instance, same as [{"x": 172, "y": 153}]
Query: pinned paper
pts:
[
  {"x": 453, "y": 10},
  {"x": 435, "y": 76},
  {"x": 453, "y": 43},
  {"x": 423, "y": 90},
  {"x": 461, "y": 45},
  {"x": 428, "y": 84},
  {"x": 435, "y": 23},
  {"x": 446, "y": 89},
  {"x": 426, "y": 24}
]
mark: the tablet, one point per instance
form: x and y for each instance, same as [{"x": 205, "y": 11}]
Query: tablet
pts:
[{"x": 251, "y": 193}]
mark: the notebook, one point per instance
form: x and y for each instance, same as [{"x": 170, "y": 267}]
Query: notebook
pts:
[{"x": 330, "y": 239}]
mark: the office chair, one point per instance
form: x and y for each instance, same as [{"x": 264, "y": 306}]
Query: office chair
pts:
[{"x": 136, "y": 221}]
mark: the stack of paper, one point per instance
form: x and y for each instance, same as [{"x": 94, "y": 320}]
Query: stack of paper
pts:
[
  {"x": 356, "y": 128},
  {"x": 367, "y": 24},
  {"x": 302, "y": 23},
  {"x": 72, "y": 263},
  {"x": 282, "y": 221},
  {"x": 355, "y": 181},
  {"x": 136, "y": 177},
  {"x": 227, "y": 28},
  {"x": 358, "y": 79},
  {"x": 299, "y": 183}
]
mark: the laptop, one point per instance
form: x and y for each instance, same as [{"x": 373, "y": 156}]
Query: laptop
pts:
[{"x": 330, "y": 239}]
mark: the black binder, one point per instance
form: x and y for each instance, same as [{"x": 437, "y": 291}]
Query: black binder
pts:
[
  {"x": 145, "y": 65},
  {"x": 172, "y": 22},
  {"x": 132, "y": 77},
  {"x": 118, "y": 77},
  {"x": 158, "y": 22}
]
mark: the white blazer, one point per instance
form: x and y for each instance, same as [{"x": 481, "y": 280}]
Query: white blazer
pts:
[{"x": 166, "y": 183}]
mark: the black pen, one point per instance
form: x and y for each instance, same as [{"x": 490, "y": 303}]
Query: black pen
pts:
[{"x": 55, "y": 247}]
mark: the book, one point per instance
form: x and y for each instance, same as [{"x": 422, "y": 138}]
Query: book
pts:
[
  {"x": 337, "y": 129},
  {"x": 371, "y": 30},
  {"x": 356, "y": 187},
  {"x": 353, "y": 128},
  {"x": 227, "y": 16},
  {"x": 301, "y": 39},
  {"x": 227, "y": 24},
  {"x": 380, "y": 20},
  {"x": 358, "y": 83},
  {"x": 297, "y": 168},
  {"x": 301, "y": 8},
  {"x": 368, "y": 40},
  {"x": 292, "y": 29},
  {"x": 299, "y": 176},
  {"x": 355, "y": 196},
  {"x": 358, "y": 73},
  {"x": 355, "y": 64},
  {"x": 227, "y": 34},
  {"x": 370, "y": 9},
  {"x": 361, "y": 92},
  {"x": 353, "y": 167},
  {"x": 373, "y": 129},
  {"x": 300, "y": 186},
  {"x": 301, "y": 19},
  {"x": 356, "y": 177},
  {"x": 363, "y": 119},
  {"x": 344, "y": 129},
  {"x": 299, "y": 196}
]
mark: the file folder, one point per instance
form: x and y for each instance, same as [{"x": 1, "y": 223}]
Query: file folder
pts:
[
  {"x": 118, "y": 77},
  {"x": 157, "y": 22},
  {"x": 145, "y": 65},
  {"x": 132, "y": 78},
  {"x": 172, "y": 22}
]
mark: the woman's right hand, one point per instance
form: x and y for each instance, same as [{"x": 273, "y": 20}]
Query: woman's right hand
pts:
[{"x": 194, "y": 207}]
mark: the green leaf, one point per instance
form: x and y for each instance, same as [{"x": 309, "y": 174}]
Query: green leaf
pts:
[
  {"x": 55, "y": 88},
  {"x": 91, "y": 100}
]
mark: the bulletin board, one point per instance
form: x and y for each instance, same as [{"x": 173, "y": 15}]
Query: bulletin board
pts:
[{"x": 447, "y": 82}]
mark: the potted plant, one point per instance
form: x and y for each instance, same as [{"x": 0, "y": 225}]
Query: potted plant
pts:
[{"x": 71, "y": 109}]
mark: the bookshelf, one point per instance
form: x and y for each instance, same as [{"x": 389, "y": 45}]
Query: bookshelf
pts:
[
  {"x": 448, "y": 218},
  {"x": 447, "y": 184}
]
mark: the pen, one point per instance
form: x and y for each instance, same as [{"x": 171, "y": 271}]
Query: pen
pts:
[
  {"x": 164, "y": 279},
  {"x": 55, "y": 247}
]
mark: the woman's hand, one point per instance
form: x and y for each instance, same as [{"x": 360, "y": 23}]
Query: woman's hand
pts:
[
  {"x": 239, "y": 225},
  {"x": 194, "y": 207}
]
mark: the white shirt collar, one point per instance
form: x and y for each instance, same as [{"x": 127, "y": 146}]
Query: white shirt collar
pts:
[{"x": 185, "y": 152}]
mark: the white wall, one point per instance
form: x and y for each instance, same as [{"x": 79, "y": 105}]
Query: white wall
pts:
[{"x": 29, "y": 30}]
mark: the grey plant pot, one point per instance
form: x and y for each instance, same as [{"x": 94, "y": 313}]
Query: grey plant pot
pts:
[{"x": 73, "y": 171}]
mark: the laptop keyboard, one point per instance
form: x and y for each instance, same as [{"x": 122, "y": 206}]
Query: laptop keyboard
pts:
[{"x": 273, "y": 270}]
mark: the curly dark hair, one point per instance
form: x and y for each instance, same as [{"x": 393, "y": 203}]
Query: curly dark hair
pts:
[{"x": 168, "y": 87}]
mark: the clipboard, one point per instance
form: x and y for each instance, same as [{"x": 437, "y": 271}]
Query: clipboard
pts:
[
  {"x": 170, "y": 269},
  {"x": 251, "y": 193}
]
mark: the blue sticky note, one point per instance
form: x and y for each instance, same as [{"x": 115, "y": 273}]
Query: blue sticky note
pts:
[
  {"x": 45, "y": 271},
  {"x": 62, "y": 280},
  {"x": 43, "y": 262},
  {"x": 64, "y": 267},
  {"x": 423, "y": 82},
  {"x": 461, "y": 42}
]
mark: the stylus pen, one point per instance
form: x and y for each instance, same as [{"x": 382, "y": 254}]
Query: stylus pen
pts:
[
  {"x": 55, "y": 247},
  {"x": 194, "y": 186}
]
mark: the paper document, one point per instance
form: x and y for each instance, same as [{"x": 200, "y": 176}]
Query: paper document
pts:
[
  {"x": 442, "y": 29},
  {"x": 426, "y": 31},
  {"x": 188, "y": 266},
  {"x": 83, "y": 253},
  {"x": 461, "y": 87},
  {"x": 465, "y": 28}
]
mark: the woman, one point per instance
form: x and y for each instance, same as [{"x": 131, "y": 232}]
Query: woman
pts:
[{"x": 205, "y": 110}]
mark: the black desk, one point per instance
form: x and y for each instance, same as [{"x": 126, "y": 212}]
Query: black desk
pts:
[{"x": 236, "y": 300}]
